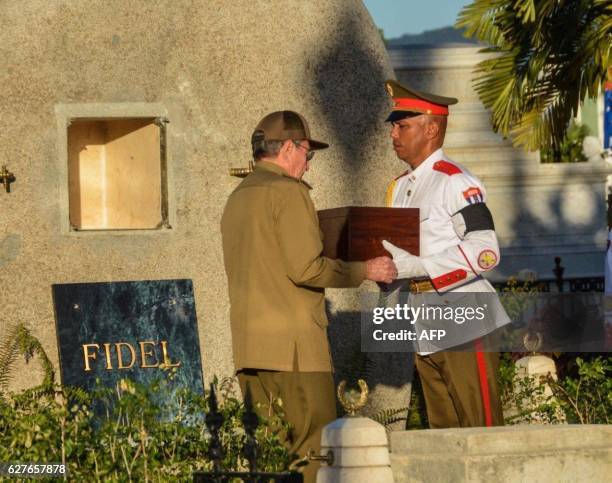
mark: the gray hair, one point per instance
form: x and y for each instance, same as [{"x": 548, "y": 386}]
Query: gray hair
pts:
[
  {"x": 436, "y": 119},
  {"x": 265, "y": 149}
]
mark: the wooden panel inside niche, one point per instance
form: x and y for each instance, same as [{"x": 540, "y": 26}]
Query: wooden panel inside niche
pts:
[{"x": 114, "y": 174}]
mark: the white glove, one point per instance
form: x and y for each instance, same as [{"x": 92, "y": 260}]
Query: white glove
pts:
[{"x": 408, "y": 265}]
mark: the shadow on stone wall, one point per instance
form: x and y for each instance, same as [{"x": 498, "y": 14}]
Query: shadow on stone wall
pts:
[
  {"x": 526, "y": 222},
  {"x": 388, "y": 374},
  {"x": 361, "y": 96},
  {"x": 358, "y": 129}
]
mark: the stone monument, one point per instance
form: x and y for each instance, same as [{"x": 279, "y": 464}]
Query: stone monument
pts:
[{"x": 120, "y": 120}]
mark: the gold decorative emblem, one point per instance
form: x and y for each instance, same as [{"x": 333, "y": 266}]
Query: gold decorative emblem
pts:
[
  {"x": 389, "y": 89},
  {"x": 487, "y": 259},
  {"x": 353, "y": 401}
]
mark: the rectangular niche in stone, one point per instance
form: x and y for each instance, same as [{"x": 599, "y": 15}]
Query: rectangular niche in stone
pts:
[
  {"x": 117, "y": 173},
  {"x": 128, "y": 330}
]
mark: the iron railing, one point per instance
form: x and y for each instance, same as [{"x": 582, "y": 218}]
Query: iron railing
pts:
[
  {"x": 250, "y": 421},
  {"x": 561, "y": 284}
]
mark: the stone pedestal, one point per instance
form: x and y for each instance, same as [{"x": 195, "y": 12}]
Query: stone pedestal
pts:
[
  {"x": 541, "y": 211},
  {"x": 360, "y": 449},
  {"x": 554, "y": 454},
  {"x": 536, "y": 366},
  {"x": 534, "y": 369}
]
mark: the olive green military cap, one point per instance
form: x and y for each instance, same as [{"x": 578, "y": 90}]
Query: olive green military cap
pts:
[
  {"x": 284, "y": 125},
  {"x": 408, "y": 102}
]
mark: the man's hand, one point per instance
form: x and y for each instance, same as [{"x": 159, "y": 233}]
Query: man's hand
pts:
[
  {"x": 381, "y": 269},
  {"x": 408, "y": 265}
]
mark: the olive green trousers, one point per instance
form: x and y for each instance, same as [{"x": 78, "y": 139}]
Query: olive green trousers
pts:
[
  {"x": 308, "y": 404},
  {"x": 461, "y": 389}
]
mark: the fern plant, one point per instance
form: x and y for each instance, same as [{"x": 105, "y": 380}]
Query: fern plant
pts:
[
  {"x": 387, "y": 417},
  {"x": 135, "y": 437},
  {"x": 19, "y": 342}
]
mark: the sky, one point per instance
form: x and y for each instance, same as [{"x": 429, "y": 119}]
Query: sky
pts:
[{"x": 397, "y": 17}]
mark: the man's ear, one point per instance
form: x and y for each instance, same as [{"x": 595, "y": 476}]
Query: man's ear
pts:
[
  {"x": 433, "y": 128},
  {"x": 286, "y": 147}
]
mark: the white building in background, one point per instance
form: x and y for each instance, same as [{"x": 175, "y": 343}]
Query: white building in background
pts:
[
  {"x": 541, "y": 211},
  {"x": 591, "y": 115}
]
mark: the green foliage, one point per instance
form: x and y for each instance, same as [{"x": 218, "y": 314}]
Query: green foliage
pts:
[
  {"x": 133, "y": 438},
  {"x": 20, "y": 342},
  {"x": 45, "y": 425},
  {"x": 586, "y": 395},
  {"x": 417, "y": 413},
  {"x": 125, "y": 433},
  {"x": 361, "y": 366},
  {"x": 582, "y": 396},
  {"x": 517, "y": 297},
  {"x": 570, "y": 150},
  {"x": 524, "y": 398},
  {"x": 548, "y": 56}
]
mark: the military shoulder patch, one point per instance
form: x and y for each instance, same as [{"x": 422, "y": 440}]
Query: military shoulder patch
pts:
[
  {"x": 487, "y": 259},
  {"x": 473, "y": 195},
  {"x": 446, "y": 168}
]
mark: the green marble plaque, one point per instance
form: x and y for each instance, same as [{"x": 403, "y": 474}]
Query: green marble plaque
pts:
[{"x": 128, "y": 330}]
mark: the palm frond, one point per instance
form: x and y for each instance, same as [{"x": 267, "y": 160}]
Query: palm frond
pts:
[
  {"x": 526, "y": 10},
  {"x": 550, "y": 56},
  {"x": 484, "y": 28}
]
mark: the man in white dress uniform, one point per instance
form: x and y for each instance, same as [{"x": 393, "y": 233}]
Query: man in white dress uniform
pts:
[{"x": 457, "y": 245}]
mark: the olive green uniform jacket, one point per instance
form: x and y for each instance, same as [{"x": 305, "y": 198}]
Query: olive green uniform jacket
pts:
[{"x": 272, "y": 252}]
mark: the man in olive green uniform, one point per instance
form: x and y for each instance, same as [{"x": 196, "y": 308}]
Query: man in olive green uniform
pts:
[{"x": 276, "y": 275}]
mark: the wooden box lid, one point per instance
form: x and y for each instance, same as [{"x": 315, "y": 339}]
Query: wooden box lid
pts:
[{"x": 355, "y": 233}]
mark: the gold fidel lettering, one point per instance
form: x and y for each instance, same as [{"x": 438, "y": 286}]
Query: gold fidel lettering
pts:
[
  {"x": 144, "y": 353},
  {"x": 167, "y": 363},
  {"x": 87, "y": 355},
  {"x": 118, "y": 348},
  {"x": 109, "y": 362}
]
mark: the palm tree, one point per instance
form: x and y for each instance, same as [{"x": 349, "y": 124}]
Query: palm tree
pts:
[{"x": 549, "y": 56}]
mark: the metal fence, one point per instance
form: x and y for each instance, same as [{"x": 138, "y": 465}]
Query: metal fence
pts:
[
  {"x": 250, "y": 421},
  {"x": 559, "y": 283}
]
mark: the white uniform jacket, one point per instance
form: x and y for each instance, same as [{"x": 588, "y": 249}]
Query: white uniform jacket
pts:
[
  {"x": 457, "y": 238},
  {"x": 453, "y": 255}
]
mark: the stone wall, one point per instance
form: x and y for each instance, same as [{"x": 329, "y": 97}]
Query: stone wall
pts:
[
  {"x": 212, "y": 69},
  {"x": 566, "y": 453}
]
